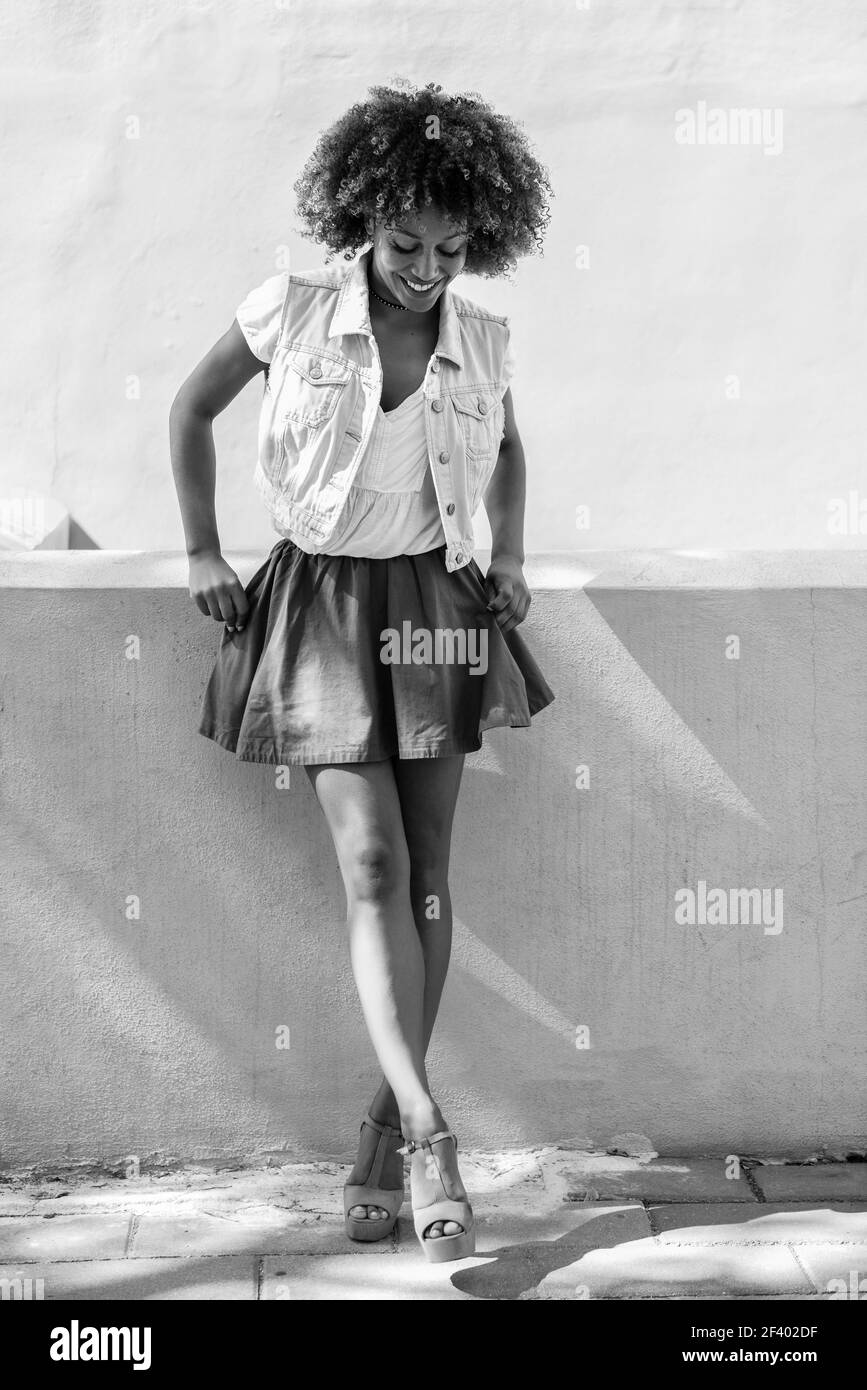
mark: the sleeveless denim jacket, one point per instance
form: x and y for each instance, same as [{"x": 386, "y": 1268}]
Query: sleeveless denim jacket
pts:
[{"x": 323, "y": 389}]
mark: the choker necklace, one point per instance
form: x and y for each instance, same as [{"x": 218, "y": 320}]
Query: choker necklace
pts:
[{"x": 387, "y": 301}]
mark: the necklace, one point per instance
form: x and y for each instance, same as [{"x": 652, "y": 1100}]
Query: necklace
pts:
[{"x": 388, "y": 301}]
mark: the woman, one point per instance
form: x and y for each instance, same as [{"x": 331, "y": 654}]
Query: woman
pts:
[{"x": 368, "y": 647}]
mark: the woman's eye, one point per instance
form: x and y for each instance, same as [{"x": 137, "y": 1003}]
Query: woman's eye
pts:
[{"x": 409, "y": 250}]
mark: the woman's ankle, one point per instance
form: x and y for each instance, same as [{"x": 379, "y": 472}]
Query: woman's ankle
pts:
[
  {"x": 384, "y": 1109},
  {"x": 422, "y": 1120}
]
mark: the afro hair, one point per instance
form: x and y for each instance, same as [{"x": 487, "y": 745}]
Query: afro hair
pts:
[{"x": 406, "y": 147}]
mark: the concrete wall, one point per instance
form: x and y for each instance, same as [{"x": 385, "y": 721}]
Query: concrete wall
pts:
[
  {"x": 699, "y": 383},
  {"x": 157, "y": 1035}
]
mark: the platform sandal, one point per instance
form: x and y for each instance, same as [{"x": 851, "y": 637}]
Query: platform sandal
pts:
[
  {"x": 368, "y": 1193},
  {"x": 430, "y": 1201}
]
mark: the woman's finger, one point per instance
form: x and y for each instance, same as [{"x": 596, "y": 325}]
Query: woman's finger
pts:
[
  {"x": 241, "y": 605},
  {"x": 505, "y": 616},
  {"x": 500, "y": 601},
  {"x": 226, "y": 606},
  {"x": 514, "y": 614}
]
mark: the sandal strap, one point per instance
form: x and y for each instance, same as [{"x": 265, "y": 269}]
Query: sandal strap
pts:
[
  {"x": 412, "y": 1145},
  {"x": 384, "y": 1133},
  {"x": 381, "y": 1129}
]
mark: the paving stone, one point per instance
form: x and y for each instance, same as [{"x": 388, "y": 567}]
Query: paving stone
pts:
[
  {"x": 18, "y": 1204},
  {"x": 300, "y": 1187},
  {"x": 711, "y": 1238},
  {"x": 519, "y": 1250},
  {"x": 759, "y": 1298},
  {"x": 791, "y": 1222},
  {"x": 649, "y": 1269},
  {"x": 95, "y": 1237},
  {"x": 511, "y": 1175},
  {"x": 825, "y": 1263},
  {"x": 807, "y": 1182},
  {"x": 498, "y": 1228},
  {"x": 273, "y": 1234},
  {"x": 351, "y": 1277},
  {"x": 661, "y": 1180},
  {"x": 232, "y": 1278}
]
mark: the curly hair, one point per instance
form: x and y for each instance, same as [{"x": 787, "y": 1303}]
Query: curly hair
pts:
[{"x": 407, "y": 146}]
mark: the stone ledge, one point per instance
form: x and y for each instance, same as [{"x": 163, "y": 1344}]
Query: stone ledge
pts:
[
  {"x": 641, "y": 570},
  {"x": 812, "y": 1182}
]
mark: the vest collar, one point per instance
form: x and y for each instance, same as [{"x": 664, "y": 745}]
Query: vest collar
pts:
[{"x": 352, "y": 314}]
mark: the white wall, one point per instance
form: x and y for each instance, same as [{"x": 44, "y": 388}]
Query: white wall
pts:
[
  {"x": 156, "y": 1034},
  {"x": 126, "y": 257}
]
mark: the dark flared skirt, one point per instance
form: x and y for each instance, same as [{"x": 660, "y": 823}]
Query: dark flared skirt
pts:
[{"x": 349, "y": 660}]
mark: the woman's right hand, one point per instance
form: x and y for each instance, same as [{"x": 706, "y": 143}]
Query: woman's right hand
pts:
[{"x": 217, "y": 590}]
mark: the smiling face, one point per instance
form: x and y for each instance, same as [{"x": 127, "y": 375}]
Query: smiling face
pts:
[{"x": 415, "y": 257}]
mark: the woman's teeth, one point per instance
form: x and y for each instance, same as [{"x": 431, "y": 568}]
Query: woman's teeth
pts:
[{"x": 418, "y": 285}]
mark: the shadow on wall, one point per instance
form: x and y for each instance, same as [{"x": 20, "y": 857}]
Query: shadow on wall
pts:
[
  {"x": 180, "y": 912},
  {"x": 79, "y": 539}
]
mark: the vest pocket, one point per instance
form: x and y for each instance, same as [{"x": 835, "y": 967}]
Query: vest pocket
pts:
[
  {"x": 312, "y": 387},
  {"x": 477, "y": 416}
]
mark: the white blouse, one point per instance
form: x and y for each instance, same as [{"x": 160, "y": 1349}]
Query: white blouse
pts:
[{"x": 392, "y": 507}]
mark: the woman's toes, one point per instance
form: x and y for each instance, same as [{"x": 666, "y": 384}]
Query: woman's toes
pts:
[
  {"x": 359, "y": 1213},
  {"x": 443, "y": 1228},
  {"x": 375, "y": 1213}
]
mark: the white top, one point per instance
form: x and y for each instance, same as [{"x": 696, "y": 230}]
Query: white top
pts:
[{"x": 392, "y": 507}]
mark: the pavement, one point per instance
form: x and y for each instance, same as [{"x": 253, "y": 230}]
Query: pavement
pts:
[{"x": 551, "y": 1224}]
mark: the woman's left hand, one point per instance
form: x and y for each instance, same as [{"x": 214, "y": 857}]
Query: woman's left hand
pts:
[{"x": 508, "y": 596}]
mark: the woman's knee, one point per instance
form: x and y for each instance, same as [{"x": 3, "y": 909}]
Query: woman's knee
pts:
[
  {"x": 429, "y": 867},
  {"x": 375, "y": 870}
]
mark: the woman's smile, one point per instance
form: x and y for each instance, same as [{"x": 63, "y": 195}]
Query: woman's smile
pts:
[{"x": 419, "y": 287}]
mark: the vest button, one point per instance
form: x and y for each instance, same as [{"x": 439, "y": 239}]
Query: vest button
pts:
[
  {"x": 459, "y": 558},
  {"x": 483, "y": 409},
  {"x": 444, "y": 456},
  {"x": 451, "y": 508},
  {"x": 316, "y": 371},
  {"x": 437, "y": 406}
]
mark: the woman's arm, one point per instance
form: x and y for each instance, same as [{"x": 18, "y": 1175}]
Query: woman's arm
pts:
[
  {"x": 506, "y": 492},
  {"x": 211, "y": 386},
  {"x": 504, "y": 503}
]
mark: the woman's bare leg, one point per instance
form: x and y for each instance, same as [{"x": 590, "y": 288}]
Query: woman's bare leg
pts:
[
  {"x": 428, "y": 792},
  {"x": 363, "y": 809}
]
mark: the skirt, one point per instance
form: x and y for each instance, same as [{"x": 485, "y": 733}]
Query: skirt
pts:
[{"x": 350, "y": 660}]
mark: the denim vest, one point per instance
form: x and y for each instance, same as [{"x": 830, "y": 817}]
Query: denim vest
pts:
[{"x": 323, "y": 390}]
